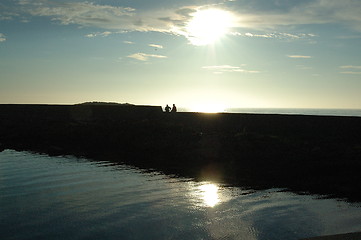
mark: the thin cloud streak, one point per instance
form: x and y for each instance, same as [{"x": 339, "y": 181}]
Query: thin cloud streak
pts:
[
  {"x": 81, "y": 13},
  {"x": 350, "y": 67},
  {"x": 102, "y": 34},
  {"x": 299, "y": 56},
  {"x": 2, "y": 37},
  {"x": 155, "y": 45},
  {"x": 354, "y": 73},
  {"x": 145, "y": 56},
  {"x": 218, "y": 69},
  {"x": 275, "y": 35}
]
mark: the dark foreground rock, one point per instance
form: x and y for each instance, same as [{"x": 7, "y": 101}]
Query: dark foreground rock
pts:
[
  {"x": 316, "y": 154},
  {"x": 346, "y": 236}
]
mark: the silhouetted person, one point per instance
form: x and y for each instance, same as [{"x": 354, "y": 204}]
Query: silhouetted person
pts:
[
  {"x": 174, "y": 108},
  {"x": 167, "y": 109}
]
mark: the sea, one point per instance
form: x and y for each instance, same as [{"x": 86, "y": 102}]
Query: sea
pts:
[
  {"x": 294, "y": 111},
  {"x": 63, "y": 197}
]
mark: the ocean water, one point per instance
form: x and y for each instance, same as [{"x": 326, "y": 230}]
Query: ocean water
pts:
[
  {"x": 302, "y": 111},
  {"x": 44, "y": 197},
  {"x": 294, "y": 111}
]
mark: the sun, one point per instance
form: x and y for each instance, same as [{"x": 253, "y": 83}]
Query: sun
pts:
[{"x": 209, "y": 25}]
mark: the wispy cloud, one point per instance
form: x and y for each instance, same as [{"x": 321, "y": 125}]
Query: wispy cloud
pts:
[
  {"x": 7, "y": 12},
  {"x": 155, "y": 45},
  {"x": 349, "y": 37},
  {"x": 350, "y": 72},
  {"x": 145, "y": 56},
  {"x": 350, "y": 67},
  {"x": 102, "y": 34},
  {"x": 174, "y": 20},
  {"x": 88, "y": 14},
  {"x": 299, "y": 56},
  {"x": 6, "y": 16},
  {"x": 346, "y": 12},
  {"x": 81, "y": 13},
  {"x": 2, "y": 37},
  {"x": 217, "y": 69},
  {"x": 128, "y": 42},
  {"x": 276, "y": 35},
  {"x": 114, "y": 19}
]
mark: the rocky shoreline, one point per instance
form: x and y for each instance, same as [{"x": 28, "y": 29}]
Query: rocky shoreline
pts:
[{"x": 313, "y": 154}]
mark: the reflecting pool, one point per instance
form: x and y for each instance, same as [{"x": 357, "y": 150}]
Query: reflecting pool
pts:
[{"x": 69, "y": 198}]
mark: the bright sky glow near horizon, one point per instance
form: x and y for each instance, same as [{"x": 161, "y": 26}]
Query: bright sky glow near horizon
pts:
[{"x": 201, "y": 55}]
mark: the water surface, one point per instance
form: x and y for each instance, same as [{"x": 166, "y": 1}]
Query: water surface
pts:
[
  {"x": 300, "y": 111},
  {"x": 293, "y": 111},
  {"x": 69, "y": 198}
]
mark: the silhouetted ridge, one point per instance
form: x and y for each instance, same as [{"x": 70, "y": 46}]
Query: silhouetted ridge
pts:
[{"x": 105, "y": 103}]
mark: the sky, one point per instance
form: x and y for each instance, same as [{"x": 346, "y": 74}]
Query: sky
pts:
[{"x": 198, "y": 54}]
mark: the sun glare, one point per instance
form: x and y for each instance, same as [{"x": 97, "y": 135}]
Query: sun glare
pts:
[
  {"x": 210, "y": 194},
  {"x": 207, "y": 26},
  {"x": 208, "y": 108}
]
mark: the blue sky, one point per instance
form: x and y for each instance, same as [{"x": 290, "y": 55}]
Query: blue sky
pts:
[{"x": 197, "y": 54}]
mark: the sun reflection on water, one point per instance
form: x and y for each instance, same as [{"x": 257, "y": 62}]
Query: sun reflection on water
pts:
[{"x": 209, "y": 193}]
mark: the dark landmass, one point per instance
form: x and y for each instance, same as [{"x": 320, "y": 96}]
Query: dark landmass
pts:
[
  {"x": 312, "y": 154},
  {"x": 346, "y": 236}
]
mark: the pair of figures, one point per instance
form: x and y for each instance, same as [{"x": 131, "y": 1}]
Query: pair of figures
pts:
[{"x": 167, "y": 109}]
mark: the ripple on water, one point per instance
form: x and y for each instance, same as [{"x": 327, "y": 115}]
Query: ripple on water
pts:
[{"x": 70, "y": 198}]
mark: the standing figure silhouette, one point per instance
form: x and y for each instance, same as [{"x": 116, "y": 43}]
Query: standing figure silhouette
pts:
[
  {"x": 167, "y": 109},
  {"x": 174, "y": 108}
]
